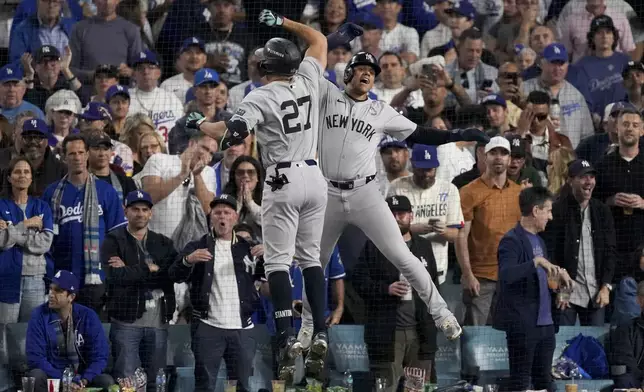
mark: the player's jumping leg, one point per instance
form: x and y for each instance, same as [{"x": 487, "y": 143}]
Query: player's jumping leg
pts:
[
  {"x": 280, "y": 220},
  {"x": 334, "y": 224},
  {"x": 307, "y": 254},
  {"x": 372, "y": 215}
]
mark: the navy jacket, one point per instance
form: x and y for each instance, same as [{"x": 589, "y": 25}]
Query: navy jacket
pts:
[
  {"x": 44, "y": 353},
  {"x": 199, "y": 276},
  {"x": 518, "y": 285}
]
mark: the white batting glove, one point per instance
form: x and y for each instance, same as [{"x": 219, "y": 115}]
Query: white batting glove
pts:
[{"x": 270, "y": 18}]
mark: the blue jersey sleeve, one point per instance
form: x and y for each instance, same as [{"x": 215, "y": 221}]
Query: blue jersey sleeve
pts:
[
  {"x": 47, "y": 217},
  {"x": 335, "y": 269},
  {"x": 112, "y": 207}
]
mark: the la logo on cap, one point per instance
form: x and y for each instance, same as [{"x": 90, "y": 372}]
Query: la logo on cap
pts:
[
  {"x": 394, "y": 201},
  {"x": 195, "y": 40},
  {"x": 557, "y": 50},
  {"x": 120, "y": 88},
  {"x": 57, "y": 274},
  {"x": 585, "y": 164},
  {"x": 208, "y": 75},
  {"x": 139, "y": 195},
  {"x": 65, "y": 102},
  {"x": 428, "y": 155},
  {"x": 143, "y": 55},
  {"x": 9, "y": 71}
]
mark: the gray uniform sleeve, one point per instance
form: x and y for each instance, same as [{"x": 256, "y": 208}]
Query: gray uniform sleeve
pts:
[
  {"x": 249, "y": 110},
  {"x": 311, "y": 69},
  {"x": 396, "y": 125}
]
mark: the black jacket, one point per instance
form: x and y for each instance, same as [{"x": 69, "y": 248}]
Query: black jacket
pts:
[
  {"x": 200, "y": 277},
  {"x": 51, "y": 170},
  {"x": 626, "y": 354},
  {"x": 371, "y": 278},
  {"x": 127, "y": 286},
  {"x": 563, "y": 232}
]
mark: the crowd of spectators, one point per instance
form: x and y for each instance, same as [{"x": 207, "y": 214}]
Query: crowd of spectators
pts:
[{"x": 113, "y": 210}]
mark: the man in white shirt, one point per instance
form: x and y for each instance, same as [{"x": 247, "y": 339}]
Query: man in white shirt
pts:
[
  {"x": 192, "y": 57},
  {"x": 436, "y": 204},
  {"x": 391, "y": 81},
  {"x": 163, "y": 107},
  {"x": 170, "y": 178},
  {"x": 442, "y": 33},
  {"x": 396, "y": 37}
]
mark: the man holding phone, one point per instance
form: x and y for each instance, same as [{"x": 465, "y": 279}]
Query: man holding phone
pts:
[{"x": 436, "y": 204}]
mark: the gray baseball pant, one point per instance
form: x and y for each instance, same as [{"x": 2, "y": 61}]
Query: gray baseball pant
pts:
[{"x": 365, "y": 208}]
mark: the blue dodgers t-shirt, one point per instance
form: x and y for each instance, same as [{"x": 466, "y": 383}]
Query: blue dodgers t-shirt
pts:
[
  {"x": 333, "y": 271},
  {"x": 25, "y": 106},
  {"x": 67, "y": 247},
  {"x": 545, "y": 313},
  {"x": 602, "y": 79}
]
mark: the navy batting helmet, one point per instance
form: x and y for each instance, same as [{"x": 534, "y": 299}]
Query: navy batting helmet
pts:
[
  {"x": 360, "y": 58},
  {"x": 278, "y": 57}
]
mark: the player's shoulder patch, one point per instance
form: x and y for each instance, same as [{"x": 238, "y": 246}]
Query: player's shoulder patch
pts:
[
  {"x": 240, "y": 112},
  {"x": 377, "y": 107}
]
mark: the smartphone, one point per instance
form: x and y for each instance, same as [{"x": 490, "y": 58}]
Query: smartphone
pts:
[
  {"x": 487, "y": 83},
  {"x": 514, "y": 78},
  {"x": 433, "y": 221}
]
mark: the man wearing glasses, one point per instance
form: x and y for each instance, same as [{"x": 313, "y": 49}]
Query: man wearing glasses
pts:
[{"x": 576, "y": 121}]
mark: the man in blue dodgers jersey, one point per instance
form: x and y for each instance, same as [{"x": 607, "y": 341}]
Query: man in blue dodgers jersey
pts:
[
  {"x": 284, "y": 113},
  {"x": 84, "y": 209},
  {"x": 352, "y": 126}
]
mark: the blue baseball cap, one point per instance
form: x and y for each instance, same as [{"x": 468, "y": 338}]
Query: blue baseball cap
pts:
[
  {"x": 115, "y": 90},
  {"x": 494, "y": 99},
  {"x": 138, "y": 197},
  {"x": 10, "y": 73},
  {"x": 224, "y": 199},
  {"x": 555, "y": 53},
  {"x": 389, "y": 141},
  {"x": 146, "y": 57},
  {"x": 193, "y": 41},
  {"x": 36, "y": 126},
  {"x": 96, "y": 111},
  {"x": 424, "y": 157},
  {"x": 66, "y": 281},
  {"x": 206, "y": 75},
  {"x": 463, "y": 8}
]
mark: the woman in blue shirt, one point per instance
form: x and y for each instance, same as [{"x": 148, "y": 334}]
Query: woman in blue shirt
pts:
[{"x": 25, "y": 237}]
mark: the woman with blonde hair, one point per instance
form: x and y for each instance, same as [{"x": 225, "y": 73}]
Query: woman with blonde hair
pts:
[
  {"x": 558, "y": 168},
  {"x": 150, "y": 143},
  {"x": 135, "y": 126}
]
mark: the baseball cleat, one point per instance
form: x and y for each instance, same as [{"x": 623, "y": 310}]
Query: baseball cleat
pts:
[
  {"x": 316, "y": 358},
  {"x": 287, "y": 356}
]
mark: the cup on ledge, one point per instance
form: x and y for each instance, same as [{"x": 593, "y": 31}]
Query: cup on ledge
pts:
[{"x": 571, "y": 387}]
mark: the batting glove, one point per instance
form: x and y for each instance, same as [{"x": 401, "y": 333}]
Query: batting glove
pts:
[
  {"x": 194, "y": 120},
  {"x": 233, "y": 139},
  {"x": 470, "y": 135},
  {"x": 270, "y": 18}
]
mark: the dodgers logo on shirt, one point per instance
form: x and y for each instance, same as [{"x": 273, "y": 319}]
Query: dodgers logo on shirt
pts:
[{"x": 70, "y": 214}]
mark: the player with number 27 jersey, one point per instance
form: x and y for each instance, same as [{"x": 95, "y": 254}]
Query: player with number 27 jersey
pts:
[{"x": 285, "y": 116}]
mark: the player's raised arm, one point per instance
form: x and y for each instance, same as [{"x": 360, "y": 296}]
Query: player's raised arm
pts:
[{"x": 315, "y": 40}]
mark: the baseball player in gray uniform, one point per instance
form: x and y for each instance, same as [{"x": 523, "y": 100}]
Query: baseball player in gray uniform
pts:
[
  {"x": 284, "y": 113},
  {"x": 351, "y": 126}
]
